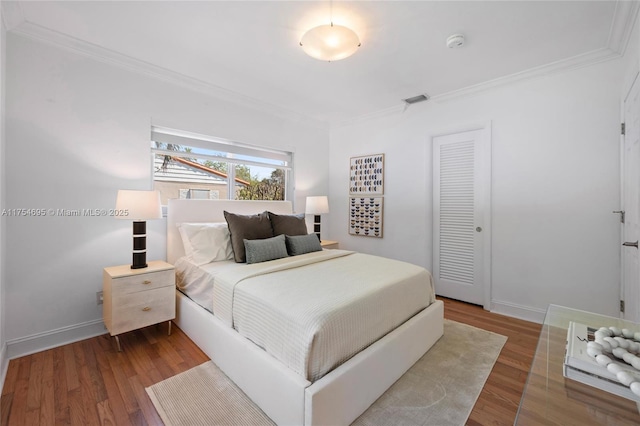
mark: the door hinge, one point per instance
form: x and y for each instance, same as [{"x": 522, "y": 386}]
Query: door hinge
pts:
[
  {"x": 622, "y": 306},
  {"x": 622, "y": 129}
]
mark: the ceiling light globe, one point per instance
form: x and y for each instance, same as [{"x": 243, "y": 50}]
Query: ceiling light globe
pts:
[{"x": 330, "y": 42}]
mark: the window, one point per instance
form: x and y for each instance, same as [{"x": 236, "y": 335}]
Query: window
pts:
[
  {"x": 201, "y": 194},
  {"x": 187, "y": 165}
]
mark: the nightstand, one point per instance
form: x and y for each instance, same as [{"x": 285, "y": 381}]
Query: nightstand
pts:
[
  {"x": 136, "y": 298},
  {"x": 328, "y": 244}
]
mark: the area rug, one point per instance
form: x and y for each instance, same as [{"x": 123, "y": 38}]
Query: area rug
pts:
[{"x": 440, "y": 389}]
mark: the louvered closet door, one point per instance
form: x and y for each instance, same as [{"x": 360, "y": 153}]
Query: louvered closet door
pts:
[{"x": 461, "y": 216}]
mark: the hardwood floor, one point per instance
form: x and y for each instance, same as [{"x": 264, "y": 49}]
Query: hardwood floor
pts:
[
  {"x": 498, "y": 402},
  {"x": 90, "y": 383}
]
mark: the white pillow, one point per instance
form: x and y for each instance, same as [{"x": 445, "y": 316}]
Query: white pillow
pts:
[{"x": 206, "y": 242}]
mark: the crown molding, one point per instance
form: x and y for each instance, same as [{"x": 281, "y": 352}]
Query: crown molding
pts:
[
  {"x": 575, "y": 62},
  {"x": 45, "y": 35},
  {"x": 624, "y": 19},
  {"x": 622, "y": 23},
  {"x": 381, "y": 113}
]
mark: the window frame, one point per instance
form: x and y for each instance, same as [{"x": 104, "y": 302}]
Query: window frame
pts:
[{"x": 269, "y": 156}]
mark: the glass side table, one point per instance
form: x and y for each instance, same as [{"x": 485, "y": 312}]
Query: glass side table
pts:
[{"x": 551, "y": 399}]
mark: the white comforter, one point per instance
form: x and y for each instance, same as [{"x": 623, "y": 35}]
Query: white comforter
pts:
[{"x": 315, "y": 311}]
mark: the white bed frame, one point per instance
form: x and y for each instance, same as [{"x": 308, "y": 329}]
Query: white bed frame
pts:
[{"x": 340, "y": 396}]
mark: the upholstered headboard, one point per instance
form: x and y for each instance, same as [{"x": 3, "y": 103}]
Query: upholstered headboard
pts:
[{"x": 180, "y": 211}]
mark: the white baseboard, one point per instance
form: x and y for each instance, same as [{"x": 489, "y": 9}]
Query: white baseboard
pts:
[
  {"x": 4, "y": 365},
  {"x": 526, "y": 313},
  {"x": 53, "y": 338}
]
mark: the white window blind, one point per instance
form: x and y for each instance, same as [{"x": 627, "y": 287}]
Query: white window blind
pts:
[{"x": 208, "y": 147}]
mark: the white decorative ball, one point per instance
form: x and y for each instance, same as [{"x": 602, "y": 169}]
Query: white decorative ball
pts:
[
  {"x": 605, "y": 330},
  {"x": 615, "y": 330},
  {"x": 627, "y": 333},
  {"x": 619, "y": 352},
  {"x": 594, "y": 345},
  {"x": 622, "y": 342},
  {"x": 635, "y": 363},
  {"x": 628, "y": 357},
  {"x": 614, "y": 368},
  {"x": 599, "y": 335},
  {"x": 614, "y": 344},
  {"x": 606, "y": 346},
  {"x": 591, "y": 351},
  {"x": 625, "y": 378},
  {"x": 636, "y": 335},
  {"x": 635, "y": 388},
  {"x": 603, "y": 360},
  {"x": 633, "y": 346}
]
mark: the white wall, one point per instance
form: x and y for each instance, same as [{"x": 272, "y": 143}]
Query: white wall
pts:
[
  {"x": 555, "y": 182},
  {"x": 77, "y": 131},
  {"x": 3, "y": 358}
]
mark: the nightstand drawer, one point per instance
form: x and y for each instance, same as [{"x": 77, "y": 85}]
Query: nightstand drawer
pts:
[
  {"x": 137, "y": 310},
  {"x": 143, "y": 282}
]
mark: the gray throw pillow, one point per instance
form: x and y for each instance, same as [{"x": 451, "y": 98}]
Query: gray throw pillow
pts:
[
  {"x": 264, "y": 250},
  {"x": 288, "y": 224},
  {"x": 301, "y": 244},
  {"x": 251, "y": 227}
]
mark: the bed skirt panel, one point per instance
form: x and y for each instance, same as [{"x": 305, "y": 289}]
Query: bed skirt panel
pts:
[
  {"x": 277, "y": 390},
  {"x": 288, "y": 399},
  {"x": 344, "y": 394}
]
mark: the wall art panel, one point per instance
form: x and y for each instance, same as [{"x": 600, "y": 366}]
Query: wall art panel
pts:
[
  {"x": 367, "y": 175},
  {"x": 365, "y": 216}
]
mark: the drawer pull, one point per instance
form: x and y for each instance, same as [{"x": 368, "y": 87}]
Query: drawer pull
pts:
[
  {"x": 146, "y": 309},
  {"x": 146, "y": 282}
]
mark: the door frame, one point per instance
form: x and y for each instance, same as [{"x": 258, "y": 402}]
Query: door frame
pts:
[
  {"x": 486, "y": 158},
  {"x": 627, "y": 91}
]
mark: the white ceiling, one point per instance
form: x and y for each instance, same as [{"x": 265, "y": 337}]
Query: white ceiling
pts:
[{"x": 251, "y": 48}]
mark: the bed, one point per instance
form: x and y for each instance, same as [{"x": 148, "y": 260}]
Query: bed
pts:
[{"x": 296, "y": 390}]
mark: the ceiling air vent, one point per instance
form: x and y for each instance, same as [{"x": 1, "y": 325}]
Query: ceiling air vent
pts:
[{"x": 415, "y": 99}]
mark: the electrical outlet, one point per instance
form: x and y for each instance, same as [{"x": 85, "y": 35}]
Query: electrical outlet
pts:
[{"x": 99, "y": 297}]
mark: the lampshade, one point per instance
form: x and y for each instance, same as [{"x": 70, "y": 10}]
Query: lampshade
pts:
[
  {"x": 140, "y": 205},
  {"x": 330, "y": 42},
  {"x": 317, "y": 205}
]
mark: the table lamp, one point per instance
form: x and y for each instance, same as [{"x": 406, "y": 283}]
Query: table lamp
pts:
[
  {"x": 139, "y": 206},
  {"x": 316, "y": 206}
]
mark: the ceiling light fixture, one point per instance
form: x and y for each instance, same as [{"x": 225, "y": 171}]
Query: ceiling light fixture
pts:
[{"x": 330, "y": 42}]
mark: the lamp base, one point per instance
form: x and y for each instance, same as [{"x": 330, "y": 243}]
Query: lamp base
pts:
[
  {"x": 139, "y": 245},
  {"x": 316, "y": 226},
  {"x": 139, "y": 260}
]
